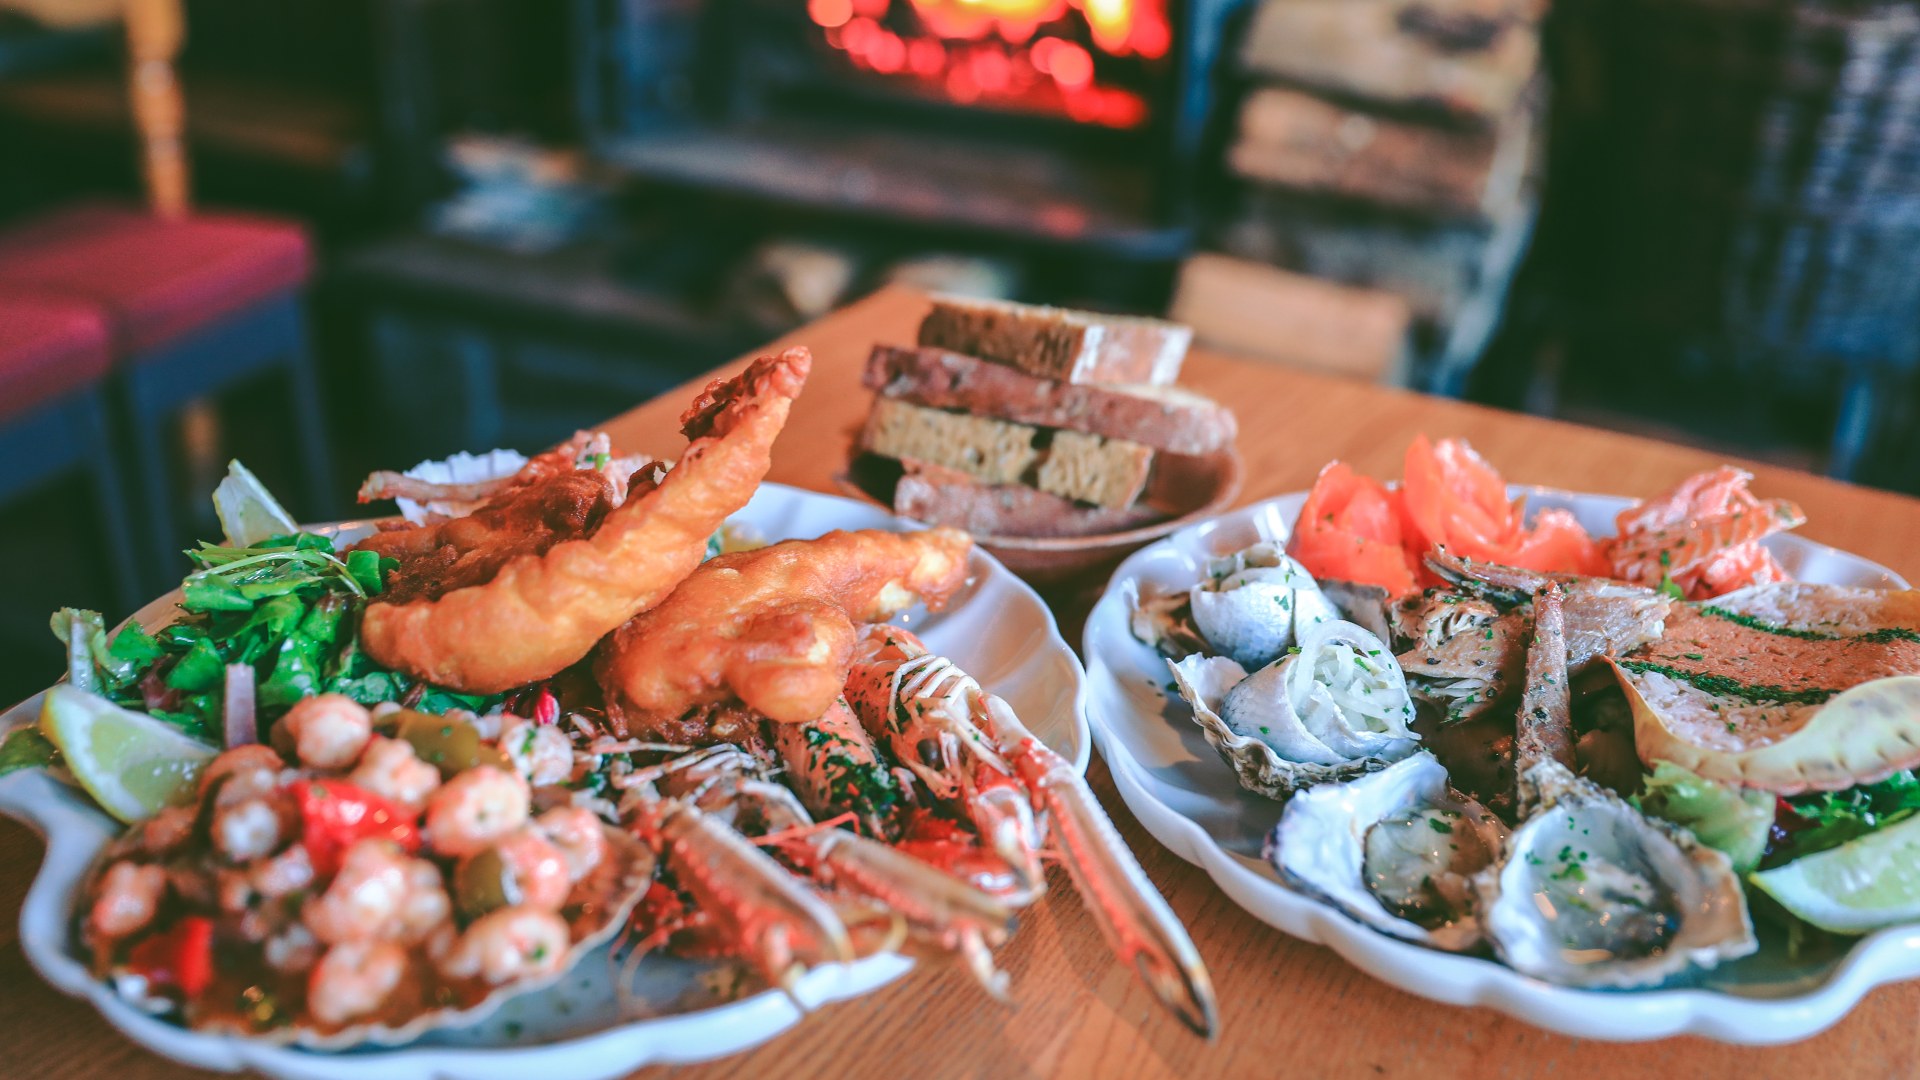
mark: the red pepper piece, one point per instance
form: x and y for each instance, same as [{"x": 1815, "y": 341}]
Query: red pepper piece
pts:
[
  {"x": 181, "y": 958},
  {"x": 336, "y": 815},
  {"x": 546, "y": 709}
]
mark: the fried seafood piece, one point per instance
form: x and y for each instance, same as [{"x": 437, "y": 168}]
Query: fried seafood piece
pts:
[
  {"x": 774, "y": 627},
  {"x": 544, "y": 608}
]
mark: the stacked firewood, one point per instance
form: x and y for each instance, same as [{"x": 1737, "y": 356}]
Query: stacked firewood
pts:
[{"x": 1389, "y": 144}]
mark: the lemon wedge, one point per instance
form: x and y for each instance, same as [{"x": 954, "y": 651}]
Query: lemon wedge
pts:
[
  {"x": 1862, "y": 885},
  {"x": 132, "y": 764},
  {"x": 247, "y": 512}
]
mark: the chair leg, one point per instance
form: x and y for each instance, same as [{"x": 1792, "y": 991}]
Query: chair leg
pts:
[
  {"x": 1853, "y": 428},
  {"x": 110, "y": 500},
  {"x": 309, "y": 422},
  {"x": 146, "y": 431}
]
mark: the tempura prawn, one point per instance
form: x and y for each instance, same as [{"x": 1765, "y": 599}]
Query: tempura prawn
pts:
[
  {"x": 774, "y": 627},
  {"x": 579, "y": 565}
]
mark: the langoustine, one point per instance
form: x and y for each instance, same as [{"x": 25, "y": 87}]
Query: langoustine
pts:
[
  {"x": 773, "y": 628},
  {"x": 580, "y": 566}
]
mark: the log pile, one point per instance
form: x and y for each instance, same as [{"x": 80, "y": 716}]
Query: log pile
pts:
[{"x": 1389, "y": 145}]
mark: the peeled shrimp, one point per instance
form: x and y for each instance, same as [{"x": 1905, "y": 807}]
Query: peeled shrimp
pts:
[
  {"x": 577, "y": 834},
  {"x": 130, "y": 894},
  {"x": 507, "y": 945},
  {"x": 542, "y": 752},
  {"x": 328, "y": 730},
  {"x": 774, "y": 627},
  {"x": 543, "y": 611},
  {"x": 390, "y": 769},
  {"x": 380, "y": 894},
  {"x": 476, "y": 808},
  {"x": 352, "y": 980},
  {"x": 539, "y": 871}
]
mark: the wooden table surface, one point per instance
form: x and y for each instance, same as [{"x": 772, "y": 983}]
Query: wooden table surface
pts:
[{"x": 1286, "y": 1007}]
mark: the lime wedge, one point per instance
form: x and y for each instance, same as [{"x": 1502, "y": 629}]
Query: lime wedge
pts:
[
  {"x": 132, "y": 764},
  {"x": 1861, "y": 885},
  {"x": 247, "y": 512}
]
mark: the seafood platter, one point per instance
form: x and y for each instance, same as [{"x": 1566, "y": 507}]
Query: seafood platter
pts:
[
  {"x": 581, "y": 762},
  {"x": 1624, "y": 768}
]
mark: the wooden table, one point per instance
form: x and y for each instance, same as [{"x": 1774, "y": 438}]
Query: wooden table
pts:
[{"x": 1286, "y": 1007}]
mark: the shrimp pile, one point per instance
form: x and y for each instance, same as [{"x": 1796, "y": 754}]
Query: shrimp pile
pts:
[
  {"x": 388, "y": 870},
  {"x": 1703, "y": 536},
  {"x": 773, "y": 628},
  {"x": 524, "y": 587}
]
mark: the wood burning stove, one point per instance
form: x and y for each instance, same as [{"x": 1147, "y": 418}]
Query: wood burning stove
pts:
[{"x": 1053, "y": 122}]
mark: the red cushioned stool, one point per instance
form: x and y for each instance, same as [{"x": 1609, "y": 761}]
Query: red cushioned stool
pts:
[
  {"x": 198, "y": 303},
  {"x": 54, "y": 356}
]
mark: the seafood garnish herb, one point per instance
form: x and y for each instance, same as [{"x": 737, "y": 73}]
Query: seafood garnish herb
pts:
[{"x": 1814, "y": 823}]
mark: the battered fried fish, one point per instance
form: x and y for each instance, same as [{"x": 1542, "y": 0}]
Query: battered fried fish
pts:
[
  {"x": 774, "y": 628},
  {"x": 525, "y": 587}
]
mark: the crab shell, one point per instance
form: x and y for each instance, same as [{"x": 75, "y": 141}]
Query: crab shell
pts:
[
  {"x": 1319, "y": 846},
  {"x": 595, "y": 912},
  {"x": 1255, "y": 602},
  {"x": 1578, "y": 823},
  {"x": 1861, "y": 736}
]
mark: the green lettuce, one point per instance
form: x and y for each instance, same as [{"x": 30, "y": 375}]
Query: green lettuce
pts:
[{"x": 1736, "y": 821}]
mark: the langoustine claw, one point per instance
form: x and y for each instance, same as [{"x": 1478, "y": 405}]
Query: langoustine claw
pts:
[
  {"x": 977, "y": 735},
  {"x": 545, "y": 609}
]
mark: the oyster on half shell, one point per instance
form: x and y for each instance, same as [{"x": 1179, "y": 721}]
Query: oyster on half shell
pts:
[
  {"x": 1592, "y": 893},
  {"x": 1396, "y": 850},
  {"x": 1335, "y": 708},
  {"x": 1255, "y": 603}
]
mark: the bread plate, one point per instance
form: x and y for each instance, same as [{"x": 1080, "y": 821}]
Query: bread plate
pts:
[
  {"x": 997, "y": 627},
  {"x": 1189, "y": 800}
]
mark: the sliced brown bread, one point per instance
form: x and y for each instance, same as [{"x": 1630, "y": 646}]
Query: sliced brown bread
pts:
[
  {"x": 1104, "y": 472},
  {"x": 1054, "y": 343},
  {"x": 1163, "y": 417},
  {"x": 1072, "y": 464},
  {"x": 942, "y": 496},
  {"x": 993, "y": 451}
]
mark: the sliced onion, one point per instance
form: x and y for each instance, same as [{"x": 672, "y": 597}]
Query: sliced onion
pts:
[{"x": 242, "y": 729}]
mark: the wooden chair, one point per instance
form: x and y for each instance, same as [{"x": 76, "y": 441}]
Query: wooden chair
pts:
[
  {"x": 197, "y": 302},
  {"x": 54, "y": 356}
]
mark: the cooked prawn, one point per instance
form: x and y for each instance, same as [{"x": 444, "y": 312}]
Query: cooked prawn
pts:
[
  {"x": 329, "y": 730},
  {"x": 351, "y": 980},
  {"x": 774, "y": 627},
  {"x": 130, "y": 893},
  {"x": 476, "y": 808},
  {"x": 516, "y": 942},
  {"x": 577, "y": 834},
  {"x": 390, "y": 769},
  {"x": 380, "y": 894},
  {"x": 545, "y": 610}
]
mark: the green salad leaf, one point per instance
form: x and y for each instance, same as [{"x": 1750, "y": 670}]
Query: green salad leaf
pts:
[
  {"x": 1834, "y": 817},
  {"x": 285, "y": 603},
  {"x": 26, "y": 748},
  {"x": 1733, "y": 820}
]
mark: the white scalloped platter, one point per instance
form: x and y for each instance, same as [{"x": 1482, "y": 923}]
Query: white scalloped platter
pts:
[
  {"x": 997, "y": 629},
  {"x": 1189, "y": 800}
]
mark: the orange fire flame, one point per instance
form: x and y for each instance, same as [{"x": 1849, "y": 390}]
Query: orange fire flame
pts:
[{"x": 1005, "y": 52}]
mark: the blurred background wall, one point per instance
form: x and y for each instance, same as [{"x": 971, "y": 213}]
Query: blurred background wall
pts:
[{"x": 1689, "y": 218}]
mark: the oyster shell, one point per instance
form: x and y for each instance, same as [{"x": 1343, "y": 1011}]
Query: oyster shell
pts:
[
  {"x": 1334, "y": 709},
  {"x": 1591, "y": 893},
  {"x": 1255, "y": 602},
  {"x": 1396, "y": 850}
]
